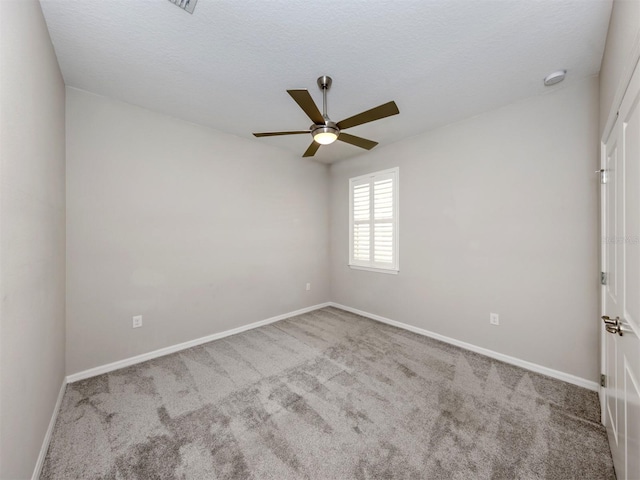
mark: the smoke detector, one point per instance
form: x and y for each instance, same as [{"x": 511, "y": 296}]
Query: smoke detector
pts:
[
  {"x": 555, "y": 77},
  {"x": 186, "y": 5}
]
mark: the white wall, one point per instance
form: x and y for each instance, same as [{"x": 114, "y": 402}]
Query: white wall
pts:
[
  {"x": 498, "y": 213},
  {"x": 624, "y": 30},
  {"x": 32, "y": 220},
  {"x": 196, "y": 230}
]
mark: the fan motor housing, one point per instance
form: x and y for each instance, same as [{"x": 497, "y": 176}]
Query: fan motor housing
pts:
[{"x": 329, "y": 127}]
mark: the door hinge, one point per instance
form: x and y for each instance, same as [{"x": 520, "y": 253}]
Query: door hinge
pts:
[
  {"x": 603, "y": 175},
  {"x": 603, "y": 380},
  {"x": 603, "y": 278}
]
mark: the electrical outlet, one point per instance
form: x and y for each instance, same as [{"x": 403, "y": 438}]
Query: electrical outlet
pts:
[
  {"x": 137, "y": 321},
  {"x": 494, "y": 319},
  {"x": 308, "y": 287}
]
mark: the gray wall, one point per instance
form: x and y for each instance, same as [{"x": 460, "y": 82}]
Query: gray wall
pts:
[
  {"x": 624, "y": 28},
  {"x": 196, "y": 230},
  {"x": 498, "y": 213},
  {"x": 32, "y": 221}
]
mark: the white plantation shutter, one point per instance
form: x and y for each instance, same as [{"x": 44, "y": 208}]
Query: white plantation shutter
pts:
[
  {"x": 362, "y": 222},
  {"x": 373, "y": 210}
]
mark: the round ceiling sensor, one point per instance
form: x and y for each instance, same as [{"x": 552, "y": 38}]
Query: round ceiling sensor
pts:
[{"x": 555, "y": 77}]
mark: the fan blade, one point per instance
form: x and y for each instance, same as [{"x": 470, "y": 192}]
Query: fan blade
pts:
[
  {"x": 313, "y": 148},
  {"x": 303, "y": 98},
  {"x": 357, "y": 141},
  {"x": 274, "y": 134},
  {"x": 376, "y": 113}
]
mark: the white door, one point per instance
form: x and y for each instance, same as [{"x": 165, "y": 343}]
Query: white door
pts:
[{"x": 621, "y": 294}]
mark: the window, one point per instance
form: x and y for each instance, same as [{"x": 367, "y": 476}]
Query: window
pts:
[{"x": 373, "y": 221}]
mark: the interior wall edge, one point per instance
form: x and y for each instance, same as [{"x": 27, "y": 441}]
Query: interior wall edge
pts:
[
  {"x": 110, "y": 367},
  {"x": 518, "y": 362},
  {"x": 47, "y": 437},
  {"x": 255, "y": 141},
  {"x": 534, "y": 367}
]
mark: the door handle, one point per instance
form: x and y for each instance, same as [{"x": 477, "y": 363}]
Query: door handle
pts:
[
  {"x": 614, "y": 325},
  {"x": 614, "y": 330}
]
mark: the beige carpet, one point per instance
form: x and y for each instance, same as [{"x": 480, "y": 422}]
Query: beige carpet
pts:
[{"x": 327, "y": 395}]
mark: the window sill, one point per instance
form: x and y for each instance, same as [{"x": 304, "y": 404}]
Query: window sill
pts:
[{"x": 388, "y": 271}]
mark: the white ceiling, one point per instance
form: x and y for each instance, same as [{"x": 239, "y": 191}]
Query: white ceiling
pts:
[{"x": 228, "y": 65}]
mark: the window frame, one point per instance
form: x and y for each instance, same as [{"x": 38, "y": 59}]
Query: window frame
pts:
[{"x": 370, "y": 265}]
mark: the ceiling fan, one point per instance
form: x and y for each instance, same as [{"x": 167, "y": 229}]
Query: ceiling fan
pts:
[{"x": 323, "y": 130}]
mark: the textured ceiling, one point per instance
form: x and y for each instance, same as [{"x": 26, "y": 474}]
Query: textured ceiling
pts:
[{"x": 228, "y": 65}]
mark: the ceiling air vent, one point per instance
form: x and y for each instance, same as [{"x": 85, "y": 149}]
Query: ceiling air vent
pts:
[{"x": 187, "y": 5}]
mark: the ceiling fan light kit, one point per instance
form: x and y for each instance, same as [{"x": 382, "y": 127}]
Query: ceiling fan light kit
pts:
[
  {"x": 325, "y": 135},
  {"x": 323, "y": 130}
]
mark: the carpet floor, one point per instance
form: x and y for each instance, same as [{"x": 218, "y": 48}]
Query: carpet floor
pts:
[{"x": 327, "y": 395}]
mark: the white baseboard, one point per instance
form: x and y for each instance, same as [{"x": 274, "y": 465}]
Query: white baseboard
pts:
[
  {"x": 566, "y": 377},
  {"x": 47, "y": 436},
  {"x": 92, "y": 372},
  {"x": 534, "y": 367}
]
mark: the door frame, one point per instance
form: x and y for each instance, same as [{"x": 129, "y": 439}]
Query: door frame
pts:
[
  {"x": 625, "y": 79},
  {"x": 603, "y": 268}
]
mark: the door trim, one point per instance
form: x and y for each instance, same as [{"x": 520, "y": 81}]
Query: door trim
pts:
[
  {"x": 623, "y": 84},
  {"x": 603, "y": 266}
]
